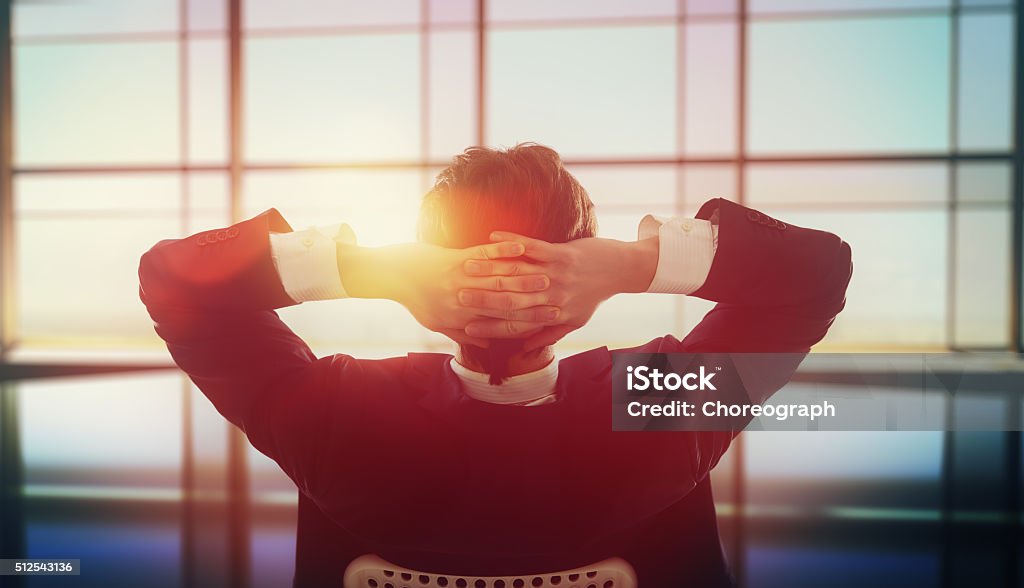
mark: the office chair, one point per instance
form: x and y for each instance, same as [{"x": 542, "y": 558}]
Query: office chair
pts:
[{"x": 370, "y": 571}]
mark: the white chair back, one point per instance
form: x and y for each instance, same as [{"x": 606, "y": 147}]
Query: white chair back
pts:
[{"x": 370, "y": 571}]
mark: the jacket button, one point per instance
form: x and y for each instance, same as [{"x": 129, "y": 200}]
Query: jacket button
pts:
[
  {"x": 752, "y": 216},
  {"x": 767, "y": 220},
  {"x": 782, "y": 226},
  {"x": 232, "y": 232},
  {"x": 201, "y": 240},
  {"x": 222, "y": 235}
]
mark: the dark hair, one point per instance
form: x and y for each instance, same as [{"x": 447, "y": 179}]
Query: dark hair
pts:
[{"x": 525, "y": 190}]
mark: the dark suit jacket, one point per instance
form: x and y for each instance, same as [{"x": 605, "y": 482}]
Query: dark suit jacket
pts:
[{"x": 391, "y": 458}]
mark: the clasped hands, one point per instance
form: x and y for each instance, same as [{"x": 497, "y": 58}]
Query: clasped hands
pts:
[{"x": 514, "y": 287}]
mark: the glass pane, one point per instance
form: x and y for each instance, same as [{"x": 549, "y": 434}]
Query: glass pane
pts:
[
  {"x": 986, "y": 82},
  {"x": 208, "y": 198},
  {"x": 325, "y": 98},
  {"x": 208, "y": 15},
  {"x": 843, "y": 5},
  {"x": 207, "y": 101},
  {"x": 854, "y": 477},
  {"x": 453, "y": 93},
  {"x": 982, "y": 298},
  {"x": 55, "y": 252},
  {"x": 974, "y": 415},
  {"x": 63, "y": 446},
  {"x": 702, "y": 182},
  {"x": 273, "y": 527},
  {"x": 154, "y": 195},
  {"x": 609, "y": 91},
  {"x": 982, "y": 181},
  {"x": 209, "y": 447},
  {"x": 875, "y": 558},
  {"x": 208, "y": 203},
  {"x": 979, "y": 458},
  {"x": 502, "y": 10},
  {"x": 94, "y": 17},
  {"x": 381, "y": 206},
  {"x": 453, "y": 11},
  {"x": 847, "y": 183},
  {"x": 273, "y": 14},
  {"x": 273, "y": 546},
  {"x": 123, "y": 546},
  {"x": 897, "y": 297},
  {"x": 711, "y": 6},
  {"x": 841, "y": 455},
  {"x": 97, "y": 103},
  {"x": 852, "y": 92},
  {"x": 102, "y": 487},
  {"x": 709, "y": 123},
  {"x": 274, "y": 522},
  {"x": 628, "y": 188},
  {"x": 89, "y": 231},
  {"x": 844, "y": 474},
  {"x": 970, "y": 3},
  {"x": 205, "y": 539}
]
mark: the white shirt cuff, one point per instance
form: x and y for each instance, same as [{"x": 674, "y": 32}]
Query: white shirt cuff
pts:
[
  {"x": 686, "y": 249},
  {"x": 307, "y": 261}
]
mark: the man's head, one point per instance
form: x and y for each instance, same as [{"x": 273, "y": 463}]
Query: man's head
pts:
[{"x": 524, "y": 190}]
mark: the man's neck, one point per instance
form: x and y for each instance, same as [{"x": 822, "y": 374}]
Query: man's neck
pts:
[{"x": 521, "y": 363}]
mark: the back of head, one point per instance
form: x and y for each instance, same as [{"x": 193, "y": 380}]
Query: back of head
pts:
[{"x": 525, "y": 190}]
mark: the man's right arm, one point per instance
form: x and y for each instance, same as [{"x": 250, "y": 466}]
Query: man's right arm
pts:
[{"x": 777, "y": 287}]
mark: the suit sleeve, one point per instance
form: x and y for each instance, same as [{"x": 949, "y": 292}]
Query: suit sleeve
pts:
[
  {"x": 212, "y": 298},
  {"x": 777, "y": 288}
]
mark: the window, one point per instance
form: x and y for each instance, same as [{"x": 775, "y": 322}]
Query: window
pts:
[
  {"x": 851, "y": 94},
  {"x": 339, "y": 107},
  {"x": 63, "y": 103},
  {"x": 609, "y": 93},
  {"x": 891, "y": 123}
]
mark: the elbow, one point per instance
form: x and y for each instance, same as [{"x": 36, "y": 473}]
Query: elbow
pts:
[
  {"x": 839, "y": 275},
  {"x": 846, "y": 263},
  {"x": 151, "y": 272},
  {"x": 145, "y": 270}
]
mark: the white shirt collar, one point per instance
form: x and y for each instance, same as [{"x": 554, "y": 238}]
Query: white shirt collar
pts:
[{"x": 530, "y": 389}]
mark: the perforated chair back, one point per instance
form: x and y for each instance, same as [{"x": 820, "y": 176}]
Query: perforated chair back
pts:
[{"x": 370, "y": 571}]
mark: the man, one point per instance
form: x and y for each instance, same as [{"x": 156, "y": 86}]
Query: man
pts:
[{"x": 499, "y": 460}]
